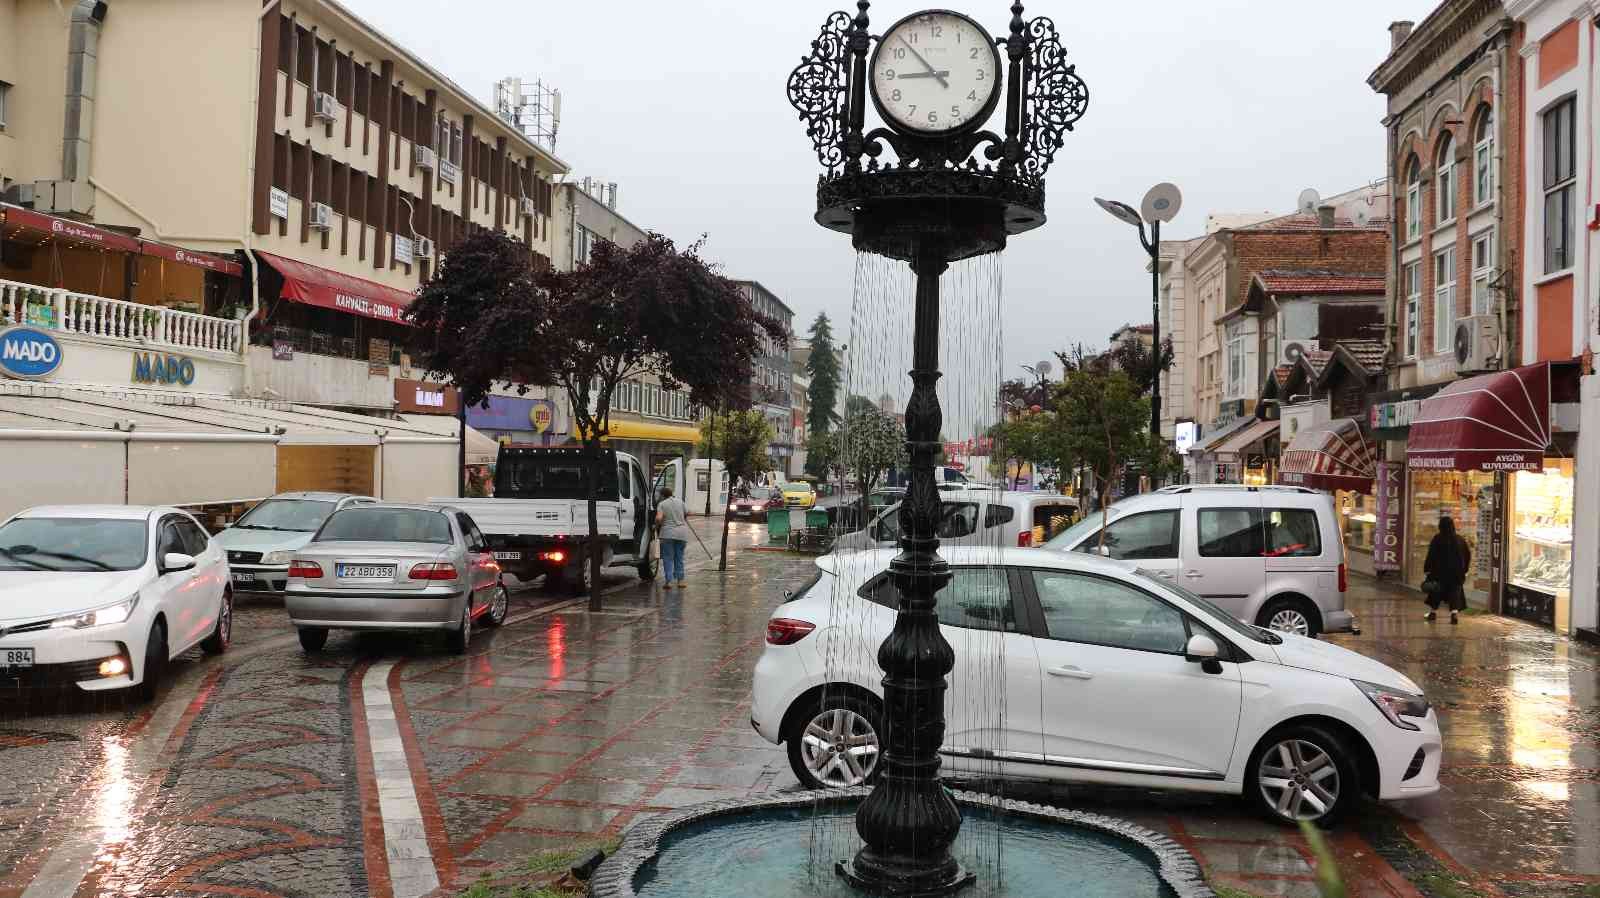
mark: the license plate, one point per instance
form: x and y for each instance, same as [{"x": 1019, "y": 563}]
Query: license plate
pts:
[
  {"x": 508, "y": 556},
  {"x": 16, "y": 658},
  {"x": 244, "y": 577},
  {"x": 365, "y": 571}
]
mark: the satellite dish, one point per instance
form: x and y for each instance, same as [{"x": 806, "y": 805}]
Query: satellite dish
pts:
[
  {"x": 1360, "y": 214},
  {"x": 1161, "y": 203},
  {"x": 1309, "y": 200}
]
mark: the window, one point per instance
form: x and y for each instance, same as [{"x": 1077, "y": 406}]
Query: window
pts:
[
  {"x": 1560, "y": 150},
  {"x": 1411, "y": 279},
  {"x": 169, "y": 541},
  {"x": 624, "y": 485},
  {"x": 5, "y": 89},
  {"x": 1483, "y": 158},
  {"x": 470, "y": 534},
  {"x": 400, "y": 525},
  {"x": 1445, "y": 181},
  {"x": 194, "y": 538},
  {"x": 1150, "y": 535},
  {"x": 1235, "y": 358},
  {"x": 1291, "y": 533},
  {"x": 957, "y": 519},
  {"x": 995, "y": 515},
  {"x": 1230, "y": 533},
  {"x": 1482, "y": 273},
  {"x": 1413, "y": 199},
  {"x": 1080, "y": 608},
  {"x": 976, "y": 599},
  {"x": 1444, "y": 298}
]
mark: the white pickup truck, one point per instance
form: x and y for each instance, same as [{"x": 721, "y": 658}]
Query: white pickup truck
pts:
[{"x": 538, "y": 521}]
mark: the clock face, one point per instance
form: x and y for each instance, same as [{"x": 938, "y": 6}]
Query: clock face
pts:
[{"x": 935, "y": 73}]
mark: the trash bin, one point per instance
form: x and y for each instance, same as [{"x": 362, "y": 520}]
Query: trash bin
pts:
[
  {"x": 817, "y": 518},
  {"x": 778, "y": 527}
]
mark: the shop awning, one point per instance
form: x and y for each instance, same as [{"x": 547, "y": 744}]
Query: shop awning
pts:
[
  {"x": 1331, "y": 456},
  {"x": 1493, "y": 422},
  {"x": 68, "y": 231},
  {"x": 1249, "y": 436},
  {"x": 316, "y": 286},
  {"x": 1210, "y": 442},
  {"x": 178, "y": 254}
]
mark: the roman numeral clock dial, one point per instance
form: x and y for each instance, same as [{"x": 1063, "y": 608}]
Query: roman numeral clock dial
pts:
[{"x": 935, "y": 73}]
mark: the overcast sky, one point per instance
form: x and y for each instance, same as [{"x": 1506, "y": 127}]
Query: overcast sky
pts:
[{"x": 1242, "y": 103}]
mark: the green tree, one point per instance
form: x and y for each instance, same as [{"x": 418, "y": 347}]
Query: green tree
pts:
[
  {"x": 823, "y": 369},
  {"x": 741, "y": 439},
  {"x": 870, "y": 443},
  {"x": 1103, "y": 422},
  {"x": 822, "y": 453}
]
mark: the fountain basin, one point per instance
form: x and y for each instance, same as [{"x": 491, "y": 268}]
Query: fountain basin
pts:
[{"x": 742, "y": 847}]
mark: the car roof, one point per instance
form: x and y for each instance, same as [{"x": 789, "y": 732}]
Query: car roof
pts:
[
  {"x": 862, "y": 565},
  {"x": 102, "y": 512},
  {"x": 322, "y": 495}
]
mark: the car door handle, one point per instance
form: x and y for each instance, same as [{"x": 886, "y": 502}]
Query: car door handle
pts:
[
  {"x": 1076, "y": 673},
  {"x": 1193, "y": 575}
]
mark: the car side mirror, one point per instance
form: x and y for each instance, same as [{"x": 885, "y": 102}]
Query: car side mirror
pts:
[
  {"x": 176, "y": 561},
  {"x": 1203, "y": 650}
]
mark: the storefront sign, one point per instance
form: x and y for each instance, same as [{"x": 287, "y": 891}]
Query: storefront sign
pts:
[
  {"x": 542, "y": 415},
  {"x": 1389, "y": 533},
  {"x": 278, "y": 203},
  {"x": 282, "y": 351},
  {"x": 1184, "y": 434},
  {"x": 403, "y": 250},
  {"x": 449, "y": 172},
  {"x": 28, "y": 353},
  {"x": 155, "y": 368},
  {"x": 423, "y": 398},
  {"x": 1389, "y": 415}
]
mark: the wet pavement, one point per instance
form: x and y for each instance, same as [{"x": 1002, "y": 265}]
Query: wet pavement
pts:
[{"x": 385, "y": 766}]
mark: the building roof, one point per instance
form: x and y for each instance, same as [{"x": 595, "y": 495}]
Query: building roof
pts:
[
  {"x": 1320, "y": 282},
  {"x": 1310, "y": 221},
  {"x": 1367, "y": 353},
  {"x": 1315, "y": 361}
]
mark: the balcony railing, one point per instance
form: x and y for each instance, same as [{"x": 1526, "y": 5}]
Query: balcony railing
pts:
[{"x": 114, "y": 319}]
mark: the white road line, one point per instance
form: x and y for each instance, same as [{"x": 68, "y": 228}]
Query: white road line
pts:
[{"x": 412, "y": 873}]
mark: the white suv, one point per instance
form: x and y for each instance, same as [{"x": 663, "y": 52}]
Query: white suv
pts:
[{"x": 1272, "y": 555}]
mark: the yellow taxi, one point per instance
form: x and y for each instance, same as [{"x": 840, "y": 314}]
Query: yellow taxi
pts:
[{"x": 799, "y": 494}]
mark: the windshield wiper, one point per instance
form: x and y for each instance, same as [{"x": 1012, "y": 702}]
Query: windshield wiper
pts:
[
  {"x": 67, "y": 557},
  {"x": 17, "y": 556}
]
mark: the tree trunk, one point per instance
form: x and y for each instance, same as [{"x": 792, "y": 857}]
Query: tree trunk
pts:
[
  {"x": 592, "y": 446},
  {"x": 722, "y": 559}
]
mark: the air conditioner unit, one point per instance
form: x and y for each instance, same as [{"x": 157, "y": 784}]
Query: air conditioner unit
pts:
[
  {"x": 426, "y": 157},
  {"x": 325, "y": 107},
  {"x": 423, "y": 248},
  {"x": 526, "y": 207},
  {"x": 1292, "y": 352},
  {"x": 1477, "y": 343},
  {"x": 321, "y": 216}
]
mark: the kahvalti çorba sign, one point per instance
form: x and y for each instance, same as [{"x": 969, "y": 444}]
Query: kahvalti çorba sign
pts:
[{"x": 28, "y": 353}]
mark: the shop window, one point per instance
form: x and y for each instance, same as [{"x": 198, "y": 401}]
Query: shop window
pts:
[
  {"x": 1468, "y": 498},
  {"x": 1559, "y": 179},
  {"x": 1230, "y": 533},
  {"x": 1539, "y": 563},
  {"x": 1412, "y": 280},
  {"x": 1444, "y": 299},
  {"x": 1413, "y": 199},
  {"x": 1445, "y": 182},
  {"x": 1483, "y": 158},
  {"x": 1482, "y": 273},
  {"x": 1358, "y": 514}
]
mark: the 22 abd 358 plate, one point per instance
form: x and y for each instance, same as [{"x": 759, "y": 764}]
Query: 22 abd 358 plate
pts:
[{"x": 364, "y": 571}]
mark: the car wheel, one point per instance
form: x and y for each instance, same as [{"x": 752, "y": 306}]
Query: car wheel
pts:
[
  {"x": 837, "y": 744},
  {"x": 312, "y": 639},
  {"x": 222, "y": 635},
  {"x": 1302, "y": 773},
  {"x": 461, "y": 636},
  {"x": 1291, "y": 614},
  {"x": 576, "y": 575},
  {"x": 155, "y": 663},
  {"x": 499, "y": 606}
]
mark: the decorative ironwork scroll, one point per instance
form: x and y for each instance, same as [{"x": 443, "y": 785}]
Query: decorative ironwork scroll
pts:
[
  {"x": 818, "y": 89},
  {"x": 1056, "y": 97}
]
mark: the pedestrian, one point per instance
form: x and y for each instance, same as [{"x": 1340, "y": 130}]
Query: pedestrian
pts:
[
  {"x": 672, "y": 527},
  {"x": 1445, "y": 570}
]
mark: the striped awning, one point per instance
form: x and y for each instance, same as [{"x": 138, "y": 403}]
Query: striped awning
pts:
[
  {"x": 1493, "y": 422},
  {"x": 1334, "y": 455}
]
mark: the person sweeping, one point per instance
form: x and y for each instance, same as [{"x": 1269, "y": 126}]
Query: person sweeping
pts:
[
  {"x": 1445, "y": 571},
  {"x": 672, "y": 524}
]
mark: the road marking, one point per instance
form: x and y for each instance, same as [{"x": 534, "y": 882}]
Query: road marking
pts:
[{"x": 411, "y": 869}]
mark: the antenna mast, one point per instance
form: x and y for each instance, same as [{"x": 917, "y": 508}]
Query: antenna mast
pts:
[{"x": 534, "y": 108}]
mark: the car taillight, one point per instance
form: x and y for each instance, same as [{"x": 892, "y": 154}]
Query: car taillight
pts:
[
  {"x": 306, "y": 570},
  {"x": 434, "y": 572},
  {"x": 1344, "y": 577},
  {"x": 1025, "y": 539},
  {"x": 557, "y": 556},
  {"x": 787, "y": 630}
]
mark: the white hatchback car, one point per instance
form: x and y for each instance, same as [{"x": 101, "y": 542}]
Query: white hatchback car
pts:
[
  {"x": 1082, "y": 669},
  {"x": 103, "y": 596}
]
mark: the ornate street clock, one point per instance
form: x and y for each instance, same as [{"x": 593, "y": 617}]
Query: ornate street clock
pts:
[{"x": 935, "y": 73}]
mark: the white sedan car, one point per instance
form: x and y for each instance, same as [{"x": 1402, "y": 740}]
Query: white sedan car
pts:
[
  {"x": 103, "y": 596},
  {"x": 1082, "y": 669}
]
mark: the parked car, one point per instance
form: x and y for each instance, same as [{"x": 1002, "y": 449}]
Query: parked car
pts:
[
  {"x": 753, "y": 507},
  {"x": 848, "y": 517},
  {"x": 395, "y": 567},
  {"x": 971, "y": 517},
  {"x": 261, "y": 544},
  {"x": 1076, "y": 668},
  {"x": 799, "y": 494},
  {"x": 102, "y": 597},
  {"x": 1272, "y": 556}
]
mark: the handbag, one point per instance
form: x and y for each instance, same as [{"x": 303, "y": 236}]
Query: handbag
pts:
[
  {"x": 655, "y": 548},
  {"x": 1431, "y": 587}
]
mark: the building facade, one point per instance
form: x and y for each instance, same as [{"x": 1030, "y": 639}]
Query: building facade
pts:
[{"x": 773, "y": 378}]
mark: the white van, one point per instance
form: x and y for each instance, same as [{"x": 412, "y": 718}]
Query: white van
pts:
[
  {"x": 1272, "y": 556},
  {"x": 975, "y": 517}
]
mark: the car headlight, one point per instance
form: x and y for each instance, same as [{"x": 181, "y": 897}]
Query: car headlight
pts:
[
  {"x": 98, "y": 617},
  {"x": 281, "y": 556},
  {"x": 732, "y": 507},
  {"x": 1395, "y": 703}
]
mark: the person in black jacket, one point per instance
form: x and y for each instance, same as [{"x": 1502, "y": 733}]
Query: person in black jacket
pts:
[{"x": 1449, "y": 558}]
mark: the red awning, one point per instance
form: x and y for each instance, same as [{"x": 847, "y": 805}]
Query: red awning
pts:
[
  {"x": 341, "y": 292},
  {"x": 183, "y": 256},
  {"x": 1494, "y": 422},
  {"x": 1334, "y": 455},
  {"x": 70, "y": 231}
]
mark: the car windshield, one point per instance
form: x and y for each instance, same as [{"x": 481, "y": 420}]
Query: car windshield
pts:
[
  {"x": 298, "y": 515},
  {"x": 1090, "y": 523},
  {"x": 72, "y": 544},
  {"x": 1254, "y": 634},
  {"x": 386, "y": 525},
  {"x": 796, "y": 487}
]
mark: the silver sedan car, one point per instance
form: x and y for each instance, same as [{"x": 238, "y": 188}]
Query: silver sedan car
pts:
[{"x": 395, "y": 567}]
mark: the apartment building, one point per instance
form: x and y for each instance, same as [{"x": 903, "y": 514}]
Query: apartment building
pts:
[{"x": 773, "y": 377}]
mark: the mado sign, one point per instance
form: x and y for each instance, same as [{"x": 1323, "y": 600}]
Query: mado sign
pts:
[
  {"x": 28, "y": 352},
  {"x": 154, "y": 368}
]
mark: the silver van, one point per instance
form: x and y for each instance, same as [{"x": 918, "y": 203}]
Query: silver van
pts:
[{"x": 1271, "y": 556}]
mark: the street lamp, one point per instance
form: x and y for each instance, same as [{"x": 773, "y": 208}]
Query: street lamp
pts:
[{"x": 1160, "y": 204}]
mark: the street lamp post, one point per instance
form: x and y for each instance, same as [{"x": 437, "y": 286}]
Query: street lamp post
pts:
[{"x": 1160, "y": 204}]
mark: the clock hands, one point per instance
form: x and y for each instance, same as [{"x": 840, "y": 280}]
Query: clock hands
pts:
[
  {"x": 928, "y": 74},
  {"x": 931, "y": 73}
]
